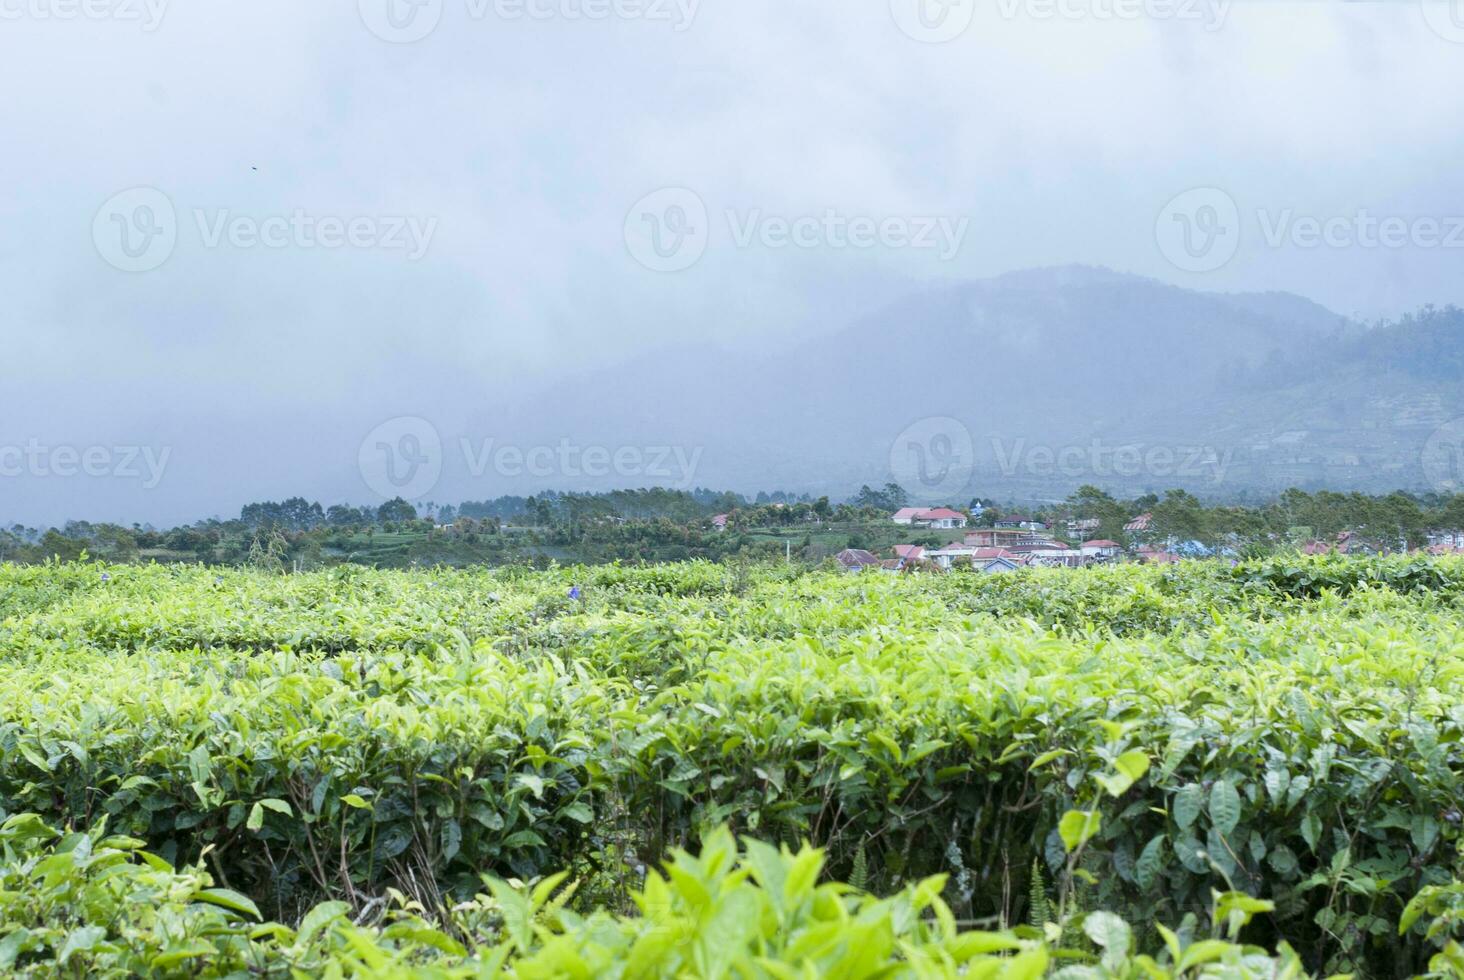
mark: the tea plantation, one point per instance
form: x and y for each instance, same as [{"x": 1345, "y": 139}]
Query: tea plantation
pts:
[{"x": 723, "y": 771}]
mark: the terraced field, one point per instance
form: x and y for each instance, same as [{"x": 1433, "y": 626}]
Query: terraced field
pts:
[{"x": 614, "y": 771}]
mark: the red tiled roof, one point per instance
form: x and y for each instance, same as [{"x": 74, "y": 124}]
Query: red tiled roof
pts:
[
  {"x": 909, "y": 552},
  {"x": 1101, "y": 543},
  {"x": 939, "y": 514}
]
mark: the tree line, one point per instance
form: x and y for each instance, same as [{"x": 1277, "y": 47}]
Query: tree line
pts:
[{"x": 662, "y": 524}]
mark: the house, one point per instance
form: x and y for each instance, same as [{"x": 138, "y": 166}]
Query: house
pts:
[
  {"x": 1153, "y": 556},
  {"x": 1102, "y": 549},
  {"x": 1447, "y": 539},
  {"x": 1347, "y": 543},
  {"x": 1050, "y": 554},
  {"x": 994, "y": 538},
  {"x": 719, "y": 523},
  {"x": 981, "y": 559},
  {"x": 942, "y": 518},
  {"x": 909, "y": 554},
  {"x": 1139, "y": 525},
  {"x": 1081, "y": 529},
  {"x": 1030, "y": 546},
  {"x": 1019, "y": 522},
  {"x": 952, "y": 553},
  {"x": 938, "y": 517},
  {"x": 997, "y": 560},
  {"x": 856, "y": 559}
]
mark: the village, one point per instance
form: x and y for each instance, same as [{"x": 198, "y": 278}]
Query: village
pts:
[
  {"x": 1012, "y": 542},
  {"x": 1017, "y": 541}
]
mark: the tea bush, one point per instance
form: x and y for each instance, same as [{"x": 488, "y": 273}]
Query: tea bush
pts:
[
  {"x": 1129, "y": 739},
  {"x": 98, "y": 906}
]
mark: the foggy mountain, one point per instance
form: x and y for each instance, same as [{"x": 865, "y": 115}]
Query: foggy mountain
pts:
[{"x": 1225, "y": 394}]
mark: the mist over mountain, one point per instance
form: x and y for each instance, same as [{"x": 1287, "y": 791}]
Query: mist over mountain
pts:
[
  {"x": 1061, "y": 376},
  {"x": 1019, "y": 388}
]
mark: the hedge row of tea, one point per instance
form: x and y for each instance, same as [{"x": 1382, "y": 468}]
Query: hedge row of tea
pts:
[
  {"x": 100, "y": 906},
  {"x": 1054, "y": 744}
]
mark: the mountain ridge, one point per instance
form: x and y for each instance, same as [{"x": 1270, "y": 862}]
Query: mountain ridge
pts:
[{"x": 1060, "y": 359}]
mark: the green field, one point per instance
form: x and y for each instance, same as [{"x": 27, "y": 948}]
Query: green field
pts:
[{"x": 1126, "y": 772}]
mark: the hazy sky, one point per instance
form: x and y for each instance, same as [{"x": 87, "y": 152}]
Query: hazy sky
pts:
[{"x": 243, "y": 234}]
